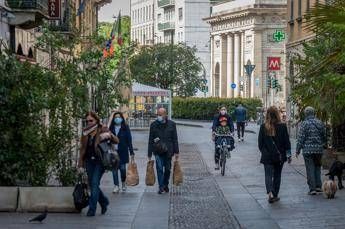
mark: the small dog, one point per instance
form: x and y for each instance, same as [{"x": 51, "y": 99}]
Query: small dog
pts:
[
  {"x": 336, "y": 170},
  {"x": 329, "y": 189}
]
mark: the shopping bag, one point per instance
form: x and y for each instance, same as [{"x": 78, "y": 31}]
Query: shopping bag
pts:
[
  {"x": 177, "y": 174},
  {"x": 150, "y": 174},
  {"x": 132, "y": 174},
  {"x": 80, "y": 194}
]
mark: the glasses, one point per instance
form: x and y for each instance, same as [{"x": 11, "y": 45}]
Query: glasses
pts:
[{"x": 90, "y": 120}]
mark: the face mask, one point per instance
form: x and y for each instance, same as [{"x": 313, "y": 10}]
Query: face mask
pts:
[
  {"x": 118, "y": 121},
  {"x": 160, "y": 118},
  {"x": 222, "y": 112}
]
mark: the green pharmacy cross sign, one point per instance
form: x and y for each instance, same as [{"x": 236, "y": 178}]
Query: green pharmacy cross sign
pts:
[{"x": 278, "y": 36}]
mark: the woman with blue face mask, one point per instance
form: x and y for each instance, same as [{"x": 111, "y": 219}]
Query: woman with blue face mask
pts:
[{"x": 120, "y": 129}]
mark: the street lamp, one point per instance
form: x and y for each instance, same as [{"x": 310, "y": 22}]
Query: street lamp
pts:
[{"x": 249, "y": 68}]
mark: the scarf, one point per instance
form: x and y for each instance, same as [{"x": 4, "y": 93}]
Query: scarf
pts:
[{"x": 89, "y": 130}]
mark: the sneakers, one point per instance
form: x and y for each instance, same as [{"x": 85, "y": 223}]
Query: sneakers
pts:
[
  {"x": 216, "y": 167},
  {"x": 166, "y": 189},
  {"x": 116, "y": 189},
  {"x": 270, "y": 198},
  {"x": 276, "y": 199},
  {"x": 318, "y": 190},
  {"x": 104, "y": 209},
  {"x": 160, "y": 191},
  {"x": 124, "y": 187},
  {"x": 312, "y": 192}
]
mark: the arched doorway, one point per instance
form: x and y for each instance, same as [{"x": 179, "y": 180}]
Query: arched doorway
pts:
[
  {"x": 20, "y": 50},
  {"x": 216, "y": 80},
  {"x": 30, "y": 53}
]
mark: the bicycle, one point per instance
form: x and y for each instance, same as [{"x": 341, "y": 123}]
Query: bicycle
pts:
[{"x": 225, "y": 144}]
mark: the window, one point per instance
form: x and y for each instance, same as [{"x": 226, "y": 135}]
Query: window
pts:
[
  {"x": 180, "y": 14},
  {"x": 159, "y": 17},
  {"x": 149, "y": 12},
  {"x": 299, "y": 18},
  {"x": 291, "y": 12},
  {"x": 308, "y": 5}
]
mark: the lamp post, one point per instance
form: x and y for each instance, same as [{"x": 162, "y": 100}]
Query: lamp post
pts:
[{"x": 249, "y": 68}]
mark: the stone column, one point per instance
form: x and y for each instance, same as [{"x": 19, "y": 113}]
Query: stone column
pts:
[
  {"x": 211, "y": 89},
  {"x": 243, "y": 94},
  {"x": 223, "y": 70},
  {"x": 230, "y": 66},
  {"x": 237, "y": 62},
  {"x": 260, "y": 69}
]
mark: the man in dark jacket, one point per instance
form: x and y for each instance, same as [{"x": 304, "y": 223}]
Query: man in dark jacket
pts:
[
  {"x": 163, "y": 143},
  {"x": 216, "y": 123},
  {"x": 240, "y": 114}
]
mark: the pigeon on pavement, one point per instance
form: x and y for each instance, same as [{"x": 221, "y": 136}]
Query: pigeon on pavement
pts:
[{"x": 40, "y": 217}]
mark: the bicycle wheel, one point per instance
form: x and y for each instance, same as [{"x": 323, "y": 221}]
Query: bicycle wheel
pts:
[{"x": 222, "y": 162}]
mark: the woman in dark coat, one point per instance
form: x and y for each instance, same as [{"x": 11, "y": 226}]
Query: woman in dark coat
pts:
[
  {"x": 120, "y": 129},
  {"x": 275, "y": 148}
]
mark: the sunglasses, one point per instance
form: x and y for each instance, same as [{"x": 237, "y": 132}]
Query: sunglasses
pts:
[{"x": 90, "y": 120}]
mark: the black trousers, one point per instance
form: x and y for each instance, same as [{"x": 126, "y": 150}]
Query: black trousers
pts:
[
  {"x": 273, "y": 173},
  {"x": 240, "y": 129}
]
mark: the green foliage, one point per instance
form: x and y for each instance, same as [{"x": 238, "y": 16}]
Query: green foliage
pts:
[
  {"x": 167, "y": 66},
  {"x": 321, "y": 79},
  {"x": 206, "y": 108},
  {"x": 41, "y": 108}
]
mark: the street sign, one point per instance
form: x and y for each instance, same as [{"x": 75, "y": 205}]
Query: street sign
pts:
[
  {"x": 279, "y": 35},
  {"x": 273, "y": 63},
  {"x": 233, "y": 85},
  {"x": 54, "y": 9}
]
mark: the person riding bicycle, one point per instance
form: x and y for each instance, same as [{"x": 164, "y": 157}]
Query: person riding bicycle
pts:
[{"x": 225, "y": 131}]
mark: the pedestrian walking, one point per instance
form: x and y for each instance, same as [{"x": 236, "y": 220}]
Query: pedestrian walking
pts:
[
  {"x": 275, "y": 148},
  {"x": 312, "y": 141},
  {"x": 90, "y": 159},
  {"x": 240, "y": 114},
  {"x": 220, "y": 117},
  {"x": 163, "y": 143},
  {"x": 122, "y": 131}
]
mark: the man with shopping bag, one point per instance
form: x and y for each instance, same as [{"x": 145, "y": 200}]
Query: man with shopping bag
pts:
[{"x": 163, "y": 143}]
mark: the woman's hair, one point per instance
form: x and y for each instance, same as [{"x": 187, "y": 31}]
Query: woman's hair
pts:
[
  {"x": 123, "y": 124},
  {"x": 272, "y": 118},
  {"x": 93, "y": 115}
]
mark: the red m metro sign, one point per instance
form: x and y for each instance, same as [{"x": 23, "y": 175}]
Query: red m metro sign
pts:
[{"x": 273, "y": 63}]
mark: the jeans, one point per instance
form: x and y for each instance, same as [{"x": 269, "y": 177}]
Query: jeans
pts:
[
  {"x": 122, "y": 169},
  {"x": 273, "y": 174},
  {"x": 313, "y": 172},
  {"x": 240, "y": 129},
  {"x": 163, "y": 167},
  {"x": 95, "y": 171}
]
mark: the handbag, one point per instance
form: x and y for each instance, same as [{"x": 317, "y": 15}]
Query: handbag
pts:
[
  {"x": 150, "y": 173},
  {"x": 80, "y": 194},
  {"x": 177, "y": 174},
  {"x": 277, "y": 158},
  {"x": 160, "y": 147},
  {"x": 132, "y": 174},
  {"x": 109, "y": 157}
]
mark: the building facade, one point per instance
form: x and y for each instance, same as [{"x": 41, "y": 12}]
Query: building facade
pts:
[
  {"x": 297, "y": 36},
  {"x": 181, "y": 21},
  {"x": 142, "y": 21},
  {"x": 245, "y": 33}
]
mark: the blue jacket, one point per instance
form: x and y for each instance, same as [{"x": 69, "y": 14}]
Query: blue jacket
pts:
[
  {"x": 240, "y": 114},
  {"x": 125, "y": 145},
  {"x": 311, "y": 137},
  {"x": 216, "y": 122}
]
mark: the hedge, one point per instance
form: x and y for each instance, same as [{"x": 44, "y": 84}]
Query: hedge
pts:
[{"x": 206, "y": 108}]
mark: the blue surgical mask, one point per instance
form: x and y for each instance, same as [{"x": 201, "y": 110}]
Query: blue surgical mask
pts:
[
  {"x": 160, "y": 118},
  {"x": 118, "y": 121}
]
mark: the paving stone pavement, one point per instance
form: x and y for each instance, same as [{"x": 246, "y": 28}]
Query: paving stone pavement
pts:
[
  {"x": 242, "y": 191},
  {"x": 198, "y": 201}
]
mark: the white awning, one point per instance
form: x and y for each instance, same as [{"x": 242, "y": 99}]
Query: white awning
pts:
[{"x": 145, "y": 90}]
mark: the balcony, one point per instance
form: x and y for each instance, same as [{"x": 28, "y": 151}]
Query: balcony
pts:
[
  {"x": 166, "y": 3},
  {"x": 166, "y": 26},
  {"x": 28, "y": 13}
]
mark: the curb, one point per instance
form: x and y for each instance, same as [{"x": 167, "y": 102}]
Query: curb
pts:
[{"x": 190, "y": 125}]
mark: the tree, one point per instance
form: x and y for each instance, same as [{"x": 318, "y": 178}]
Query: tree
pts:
[
  {"x": 167, "y": 66},
  {"x": 321, "y": 79}
]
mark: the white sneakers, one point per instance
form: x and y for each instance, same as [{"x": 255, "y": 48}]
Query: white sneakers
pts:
[
  {"x": 124, "y": 187},
  {"x": 116, "y": 189}
]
